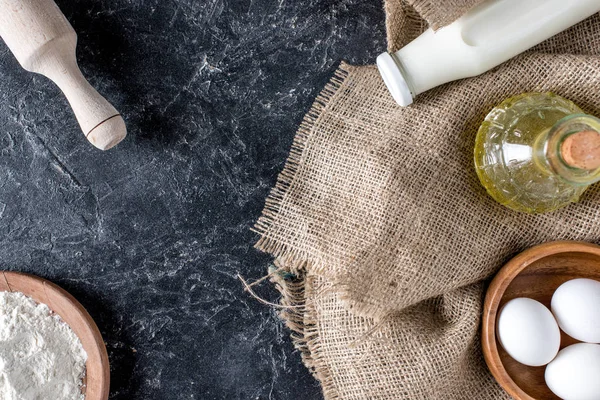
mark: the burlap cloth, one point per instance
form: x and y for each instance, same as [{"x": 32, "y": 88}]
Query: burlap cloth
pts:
[{"x": 380, "y": 215}]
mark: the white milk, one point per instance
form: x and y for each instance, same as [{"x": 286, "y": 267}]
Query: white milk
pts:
[{"x": 485, "y": 37}]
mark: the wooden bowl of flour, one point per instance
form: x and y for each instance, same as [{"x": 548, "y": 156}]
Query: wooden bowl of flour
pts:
[{"x": 96, "y": 380}]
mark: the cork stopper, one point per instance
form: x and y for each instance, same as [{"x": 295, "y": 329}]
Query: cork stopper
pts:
[{"x": 582, "y": 150}]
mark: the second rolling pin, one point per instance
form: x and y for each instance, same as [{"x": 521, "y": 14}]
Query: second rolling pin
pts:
[{"x": 43, "y": 41}]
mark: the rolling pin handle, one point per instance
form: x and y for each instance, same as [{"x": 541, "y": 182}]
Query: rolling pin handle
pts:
[{"x": 100, "y": 122}]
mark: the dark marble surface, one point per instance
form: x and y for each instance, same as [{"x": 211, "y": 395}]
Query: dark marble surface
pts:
[{"x": 151, "y": 235}]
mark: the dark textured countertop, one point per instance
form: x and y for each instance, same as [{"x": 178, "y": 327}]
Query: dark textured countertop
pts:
[{"x": 151, "y": 235}]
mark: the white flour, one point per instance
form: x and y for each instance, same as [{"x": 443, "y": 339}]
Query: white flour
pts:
[{"x": 40, "y": 356}]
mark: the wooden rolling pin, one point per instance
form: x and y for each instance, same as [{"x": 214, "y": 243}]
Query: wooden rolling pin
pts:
[{"x": 43, "y": 41}]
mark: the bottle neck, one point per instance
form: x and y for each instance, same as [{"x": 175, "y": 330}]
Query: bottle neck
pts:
[{"x": 571, "y": 149}]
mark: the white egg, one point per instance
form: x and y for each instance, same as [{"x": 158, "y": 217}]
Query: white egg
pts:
[
  {"x": 528, "y": 332},
  {"x": 576, "y": 307},
  {"x": 573, "y": 374}
]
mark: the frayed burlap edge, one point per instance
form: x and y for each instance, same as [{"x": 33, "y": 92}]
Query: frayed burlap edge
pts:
[
  {"x": 297, "y": 312},
  {"x": 297, "y": 315},
  {"x": 286, "y": 178}
]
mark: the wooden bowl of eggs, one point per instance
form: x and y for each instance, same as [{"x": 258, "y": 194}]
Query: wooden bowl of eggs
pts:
[{"x": 541, "y": 323}]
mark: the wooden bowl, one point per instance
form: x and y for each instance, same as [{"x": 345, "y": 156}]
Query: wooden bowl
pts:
[
  {"x": 536, "y": 273},
  {"x": 97, "y": 375}
]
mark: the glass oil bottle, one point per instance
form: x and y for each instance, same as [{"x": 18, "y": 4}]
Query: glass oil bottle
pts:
[{"x": 537, "y": 152}]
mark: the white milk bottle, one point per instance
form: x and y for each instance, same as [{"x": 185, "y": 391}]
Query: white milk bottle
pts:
[{"x": 488, "y": 35}]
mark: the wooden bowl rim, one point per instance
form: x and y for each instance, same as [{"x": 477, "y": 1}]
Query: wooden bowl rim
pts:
[
  {"x": 93, "y": 343},
  {"x": 495, "y": 293}
]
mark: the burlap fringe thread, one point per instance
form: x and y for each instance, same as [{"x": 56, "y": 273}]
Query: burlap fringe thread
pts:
[
  {"x": 305, "y": 335},
  {"x": 292, "y": 309}
]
